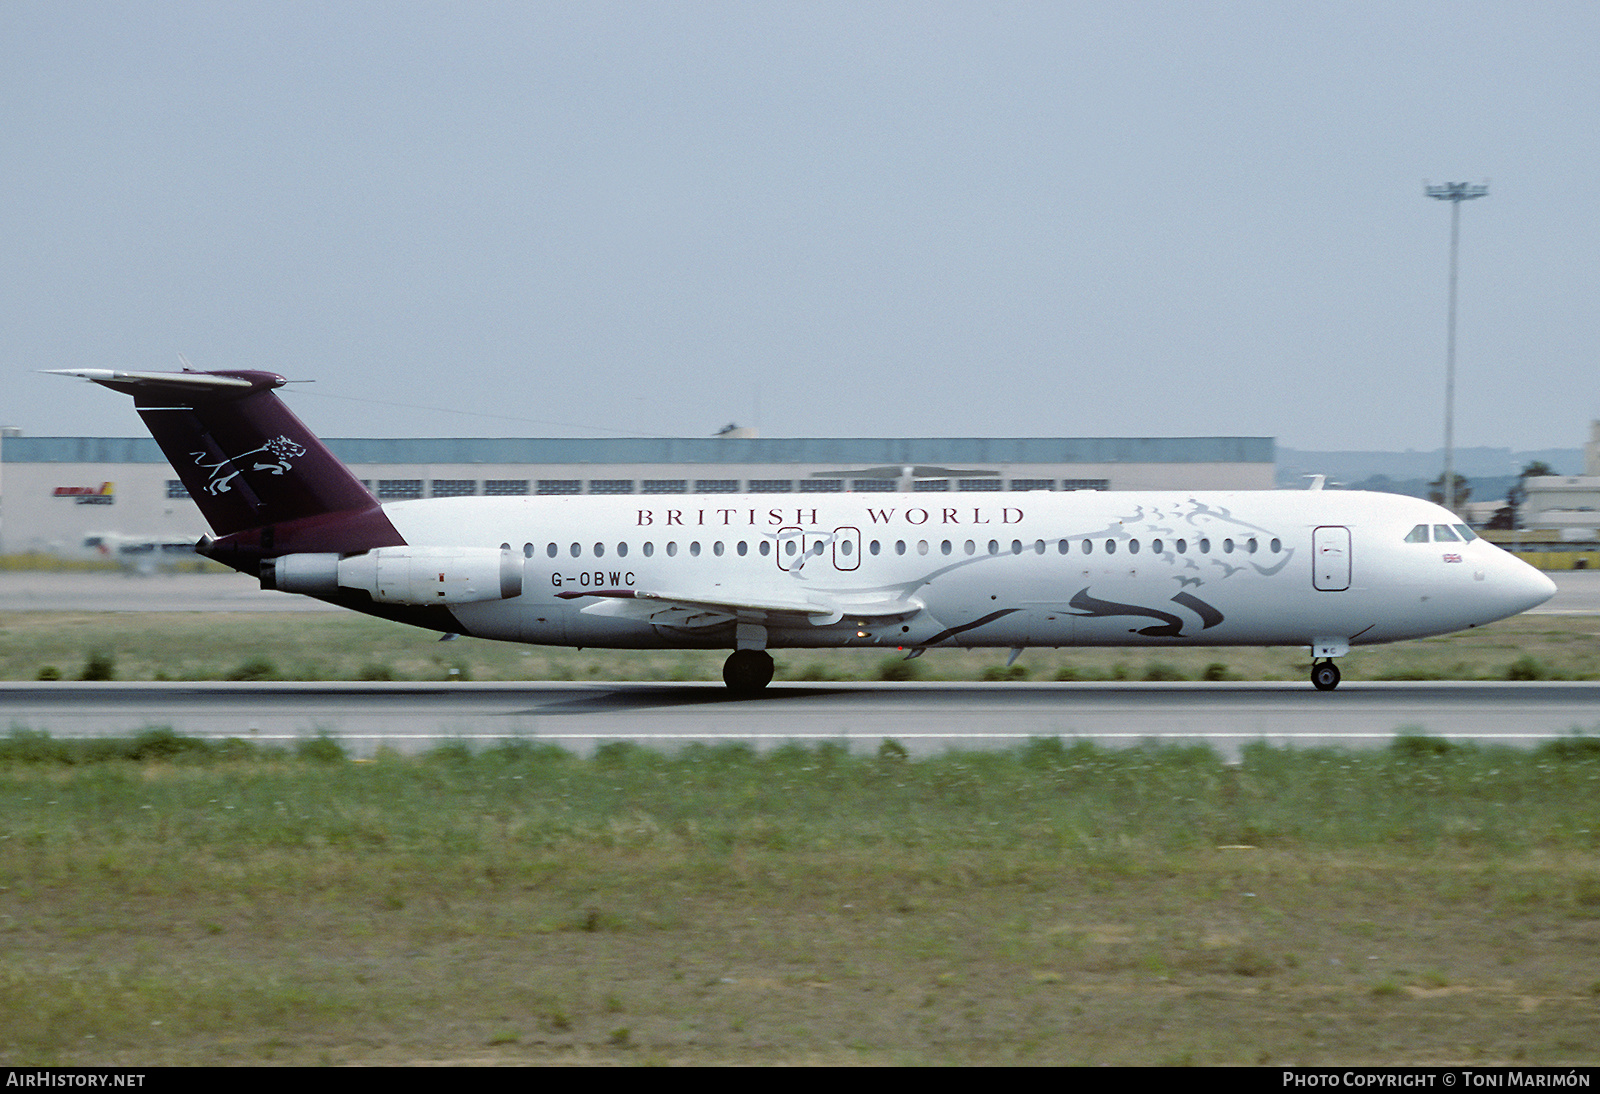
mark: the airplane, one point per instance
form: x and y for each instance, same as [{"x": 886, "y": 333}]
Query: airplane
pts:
[
  {"x": 1329, "y": 570},
  {"x": 142, "y": 554}
]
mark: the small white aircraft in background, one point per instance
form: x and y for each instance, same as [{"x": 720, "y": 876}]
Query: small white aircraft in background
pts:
[
  {"x": 1323, "y": 569},
  {"x": 143, "y": 554}
]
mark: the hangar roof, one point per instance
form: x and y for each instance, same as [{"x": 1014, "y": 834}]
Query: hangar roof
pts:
[{"x": 702, "y": 450}]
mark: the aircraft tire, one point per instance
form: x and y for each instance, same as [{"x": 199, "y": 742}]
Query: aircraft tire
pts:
[
  {"x": 746, "y": 672},
  {"x": 1325, "y": 675}
]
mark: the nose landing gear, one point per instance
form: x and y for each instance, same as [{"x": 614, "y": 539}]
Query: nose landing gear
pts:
[
  {"x": 746, "y": 672},
  {"x": 1324, "y": 673}
]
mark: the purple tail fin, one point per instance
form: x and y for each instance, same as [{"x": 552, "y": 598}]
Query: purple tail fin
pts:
[{"x": 247, "y": 461}]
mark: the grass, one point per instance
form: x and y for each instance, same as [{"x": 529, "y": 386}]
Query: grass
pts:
[
  {"x": 312, "y": 646},
  {"x": 165, "y": 900},
  {"x": 41, "y": 562},
  {"x": 169, "y": 900}
]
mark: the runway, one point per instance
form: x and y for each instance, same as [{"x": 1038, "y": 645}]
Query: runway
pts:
[{"x": 925, "y": 717}]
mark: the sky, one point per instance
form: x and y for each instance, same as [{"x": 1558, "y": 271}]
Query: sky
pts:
[{"x": 818, "y": 219}]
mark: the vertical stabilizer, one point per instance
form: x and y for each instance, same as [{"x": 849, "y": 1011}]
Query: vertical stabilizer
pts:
[{"x": 247, "y": 460}]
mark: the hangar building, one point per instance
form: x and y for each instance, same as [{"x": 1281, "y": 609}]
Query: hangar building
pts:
[{"x": 60, "y": 492}]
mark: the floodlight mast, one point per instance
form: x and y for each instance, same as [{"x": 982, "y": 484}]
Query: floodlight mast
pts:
[{"x": 1455, "y": 193}]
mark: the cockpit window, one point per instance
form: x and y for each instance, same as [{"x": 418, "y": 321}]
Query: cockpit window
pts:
[
  {"x": 1443, "y": 534},
  {"x": 1467, "y": 534},
  {"x": 1419, "y": 534}
]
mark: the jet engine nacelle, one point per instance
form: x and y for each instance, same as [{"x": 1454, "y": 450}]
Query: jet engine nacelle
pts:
[{"x": 404, "y": 575}]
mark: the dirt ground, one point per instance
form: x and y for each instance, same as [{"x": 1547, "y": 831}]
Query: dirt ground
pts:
[{"x": 1236, "y": 956}]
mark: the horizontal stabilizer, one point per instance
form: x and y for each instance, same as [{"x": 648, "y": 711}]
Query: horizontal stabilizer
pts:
[{"x": 194, "y": 381}]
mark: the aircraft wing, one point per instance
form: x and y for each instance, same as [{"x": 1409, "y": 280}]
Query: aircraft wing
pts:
[{"x": 705, "y": 610}]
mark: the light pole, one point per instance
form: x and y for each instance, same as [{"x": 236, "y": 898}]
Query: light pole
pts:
[{"x": 1455, "y": 193}]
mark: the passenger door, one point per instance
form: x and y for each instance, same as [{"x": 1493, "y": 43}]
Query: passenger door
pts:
[{"x": 1330, "y": 558}]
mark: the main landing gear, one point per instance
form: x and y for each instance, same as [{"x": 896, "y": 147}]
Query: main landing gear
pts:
[
  {"x": 747, "y": 671},
  {"x": 1325, "y": 675}
]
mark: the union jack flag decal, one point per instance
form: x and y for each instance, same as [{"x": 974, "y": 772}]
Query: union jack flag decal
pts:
[{"x": 1452, "y": 558}]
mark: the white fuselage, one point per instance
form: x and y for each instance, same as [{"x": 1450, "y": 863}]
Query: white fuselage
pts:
[{"x": 995, "y": 569}]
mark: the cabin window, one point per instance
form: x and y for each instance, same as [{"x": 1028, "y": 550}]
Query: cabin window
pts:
[
  {"x": 1227, "y": 546},
  {"x": 1111, "y": 546},
  {"x": 1016, "y": 546},
  {"x": 1205, "y": 546},
  {"x": 1133, "y": 546},
  {"x": 846, "y": 548},
  {"x": 1088, "y": 546},
  {"x": 789, "y": 548},
  {"x": 1061, "y": 547},
  {"x": 716, "y": 548},
  {"x": 599, "y": 550},
  {"x": 1155, "y": 545},
  {"x": 1277, "y": 545},
  {"x": 1419, "y": 534},
  {"x": 694, "y": 549},
  {"x": 899, "y": 546},
  {"x": 946, "y": 547},
  {"x": 922, "y": 546},
  {"x": 970, "y": 547},
  {"x": 994, "y": 546},
  {"x": 1038, "y": 546},
  {"x": 743, "y": 548},
  {"x": 766, "y": 548},
  {"x": 649, "y": 548},
  {"x": 672, "y": 548},
  {"x": 1182, "y": 547},
  {"x": 874, "y": 547},
  {"x": 622, "y": 550},
  {"x": 527, "y": 550},
  {"x": 1250, "y": 544},
  {"x": 1443, "y": 534},
  {"x": 577, "y": 549}
]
